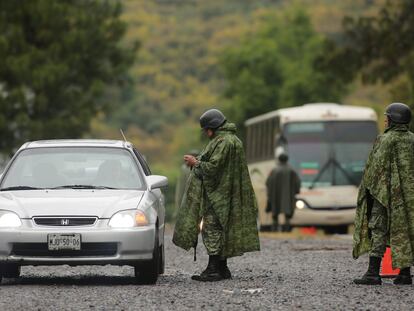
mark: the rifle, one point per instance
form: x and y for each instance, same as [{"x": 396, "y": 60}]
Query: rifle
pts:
[{"x": 200, "y": 227}]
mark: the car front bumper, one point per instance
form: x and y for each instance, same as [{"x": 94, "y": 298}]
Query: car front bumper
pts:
[
  {"x": 100, "y": 245},
  {"x": 315, "y": 217}
]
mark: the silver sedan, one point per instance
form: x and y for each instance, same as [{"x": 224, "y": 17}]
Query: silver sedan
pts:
[{"x": 81, "y": 202}]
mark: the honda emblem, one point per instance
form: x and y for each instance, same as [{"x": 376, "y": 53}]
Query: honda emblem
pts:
[{"x": 64, "y": 222}]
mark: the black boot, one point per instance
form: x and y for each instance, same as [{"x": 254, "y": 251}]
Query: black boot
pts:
[
  {"x": 224, "y": 269},
  {"x": 212, "y": 272},
  {"x": 371, "y": 277},
  {"x": 404, "y": 277},
  {"x": 275, "y": 224}
]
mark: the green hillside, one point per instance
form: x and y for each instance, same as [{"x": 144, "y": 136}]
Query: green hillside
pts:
[{"x": 177, "y": 74}]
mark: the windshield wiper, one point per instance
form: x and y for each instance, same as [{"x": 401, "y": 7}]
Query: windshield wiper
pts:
[
  {"x": 82, "y": 187},
  {"x": 332, "y": 161},
  {"x": 20, "y": 188}
]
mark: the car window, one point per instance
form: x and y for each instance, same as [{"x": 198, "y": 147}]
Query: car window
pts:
[
  {"x": 143, "y": 163},
  {"x": 64, "y": 166}
]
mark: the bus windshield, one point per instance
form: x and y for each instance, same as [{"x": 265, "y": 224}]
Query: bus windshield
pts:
[{"x": 329, "y": 153}]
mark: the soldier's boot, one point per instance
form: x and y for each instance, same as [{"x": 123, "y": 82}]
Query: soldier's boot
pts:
[
  {"x": 212, "y": 272},
  {"x": 371, "y": 277},
  {"x": 404, "y": 277},
  {"x": 224, "y": 269}
]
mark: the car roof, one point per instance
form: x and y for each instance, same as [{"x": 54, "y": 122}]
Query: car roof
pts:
[{"x": 77, "y": 143}]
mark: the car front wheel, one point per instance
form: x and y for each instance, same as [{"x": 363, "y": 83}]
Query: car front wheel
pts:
[
  {"x": 9, "y": 270},
  {"x": 162, "y": 260},
  {"x": 147, "y": 273}
]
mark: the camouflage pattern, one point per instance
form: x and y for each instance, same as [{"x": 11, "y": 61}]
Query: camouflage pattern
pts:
[
  {"x": 212, "y": 232},
  {"x": 189, "y": 214},
  {"x": 378, "y": 224},
  {"x": 181, "y": 182},
  {"x": 389, "y": 179},
  {"x": 222, "y": 176}
]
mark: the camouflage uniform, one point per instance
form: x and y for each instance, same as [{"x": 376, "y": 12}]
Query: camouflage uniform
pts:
[
  {"x": 180, "y": 186},
  {"x": 388, "y": 182},
  {"x": 212, "y": 232},
  {"x": 378, "y": 226},
  {"x": 219, "y": 190}
]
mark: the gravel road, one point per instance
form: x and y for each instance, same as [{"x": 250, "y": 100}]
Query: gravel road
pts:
[{"x": 288, "y": 274}]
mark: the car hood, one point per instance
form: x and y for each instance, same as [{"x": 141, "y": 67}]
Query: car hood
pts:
[{"x": 69, "y": 202}]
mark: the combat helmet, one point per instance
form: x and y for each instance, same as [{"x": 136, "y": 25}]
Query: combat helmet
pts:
[
  {"x": 398, "y": 113},
  {"x": 212, "y": 119}
]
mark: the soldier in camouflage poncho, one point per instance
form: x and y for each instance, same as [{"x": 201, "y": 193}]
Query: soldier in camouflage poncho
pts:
[
  {"x": 219, "y": 192},
  {"x": 385, "y": 207}
]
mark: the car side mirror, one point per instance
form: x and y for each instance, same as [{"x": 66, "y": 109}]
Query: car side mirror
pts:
[{"x": 156, "y": 181}]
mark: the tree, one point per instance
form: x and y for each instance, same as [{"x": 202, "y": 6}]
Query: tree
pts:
[
  {"x": 377, "y": 48},
  {"x": 57, "y": 59},
  {"x": 275, "y": 68}
]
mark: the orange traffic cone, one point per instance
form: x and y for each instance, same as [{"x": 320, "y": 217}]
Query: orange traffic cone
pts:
[
  {"x": 308, "y": 230},
  {"x": 386, "y": 269}
]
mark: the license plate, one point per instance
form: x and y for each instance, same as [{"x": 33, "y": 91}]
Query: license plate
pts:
[{"x": 57, "y": 242}]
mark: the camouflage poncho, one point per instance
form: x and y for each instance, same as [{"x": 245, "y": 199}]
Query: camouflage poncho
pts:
[
  {"x": 389, "y": 178},
  {"x": 223, "y": 177}
]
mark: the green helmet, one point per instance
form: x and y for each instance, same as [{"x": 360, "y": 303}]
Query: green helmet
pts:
[
  {"x": 212, "y": 119},
  {"x": 398, "y": 113}
]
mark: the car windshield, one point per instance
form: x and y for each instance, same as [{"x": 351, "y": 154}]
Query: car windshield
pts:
[
  {"x": 70, "y": 167},
  {"x": 329, "y": 153}
]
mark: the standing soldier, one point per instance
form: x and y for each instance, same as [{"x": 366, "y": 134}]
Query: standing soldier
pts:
[
  {"x": 385, "y": 207},
  {"x": 218, "y": 192},
  {"x": 282, "y": 186}
]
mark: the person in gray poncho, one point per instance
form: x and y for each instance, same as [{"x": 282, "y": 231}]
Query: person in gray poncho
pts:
[{"x": 282, "y": 185}]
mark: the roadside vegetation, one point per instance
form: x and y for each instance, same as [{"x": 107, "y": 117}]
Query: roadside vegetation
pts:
[{"x": 89, "y": 68}]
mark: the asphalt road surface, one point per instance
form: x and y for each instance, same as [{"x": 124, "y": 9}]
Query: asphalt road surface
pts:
[{"x": 288, "y": 274}]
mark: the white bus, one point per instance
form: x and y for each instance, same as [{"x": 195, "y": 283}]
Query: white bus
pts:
[{"x": 327, "y": 145}]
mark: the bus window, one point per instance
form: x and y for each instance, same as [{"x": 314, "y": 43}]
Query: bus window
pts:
[{"x": 260, "y": 139}]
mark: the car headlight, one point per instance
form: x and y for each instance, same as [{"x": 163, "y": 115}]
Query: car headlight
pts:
[
  {"x": 300, "y": 204},
  {"x": 9, "y": 220},
  {"x": 128, "y": 219}
]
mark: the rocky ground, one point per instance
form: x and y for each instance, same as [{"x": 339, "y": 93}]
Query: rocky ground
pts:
[{"x": 288, "y": 274}]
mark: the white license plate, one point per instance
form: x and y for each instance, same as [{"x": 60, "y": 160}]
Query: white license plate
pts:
[{"x": 57, "y": 242}]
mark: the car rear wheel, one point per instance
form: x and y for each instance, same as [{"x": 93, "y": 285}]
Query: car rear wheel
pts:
[
  {"x": 148, "y": 272},
  {"x": 10, "y": 270}
]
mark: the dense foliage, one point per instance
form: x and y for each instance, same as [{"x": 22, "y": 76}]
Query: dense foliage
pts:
[
  {"x": 377, "y": 48},
  {"x": 177, "y": 73},
  {"x": 178, "y": 70},
  {"x": 57, "y": 58},
  {"x": 274, "y": 67},
  {"x": 61, "y": 61}
]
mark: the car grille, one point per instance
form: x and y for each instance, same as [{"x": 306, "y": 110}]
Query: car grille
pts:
[
  {"x": 65, "y": 221},
  {"x": 87, "y": 249}
]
